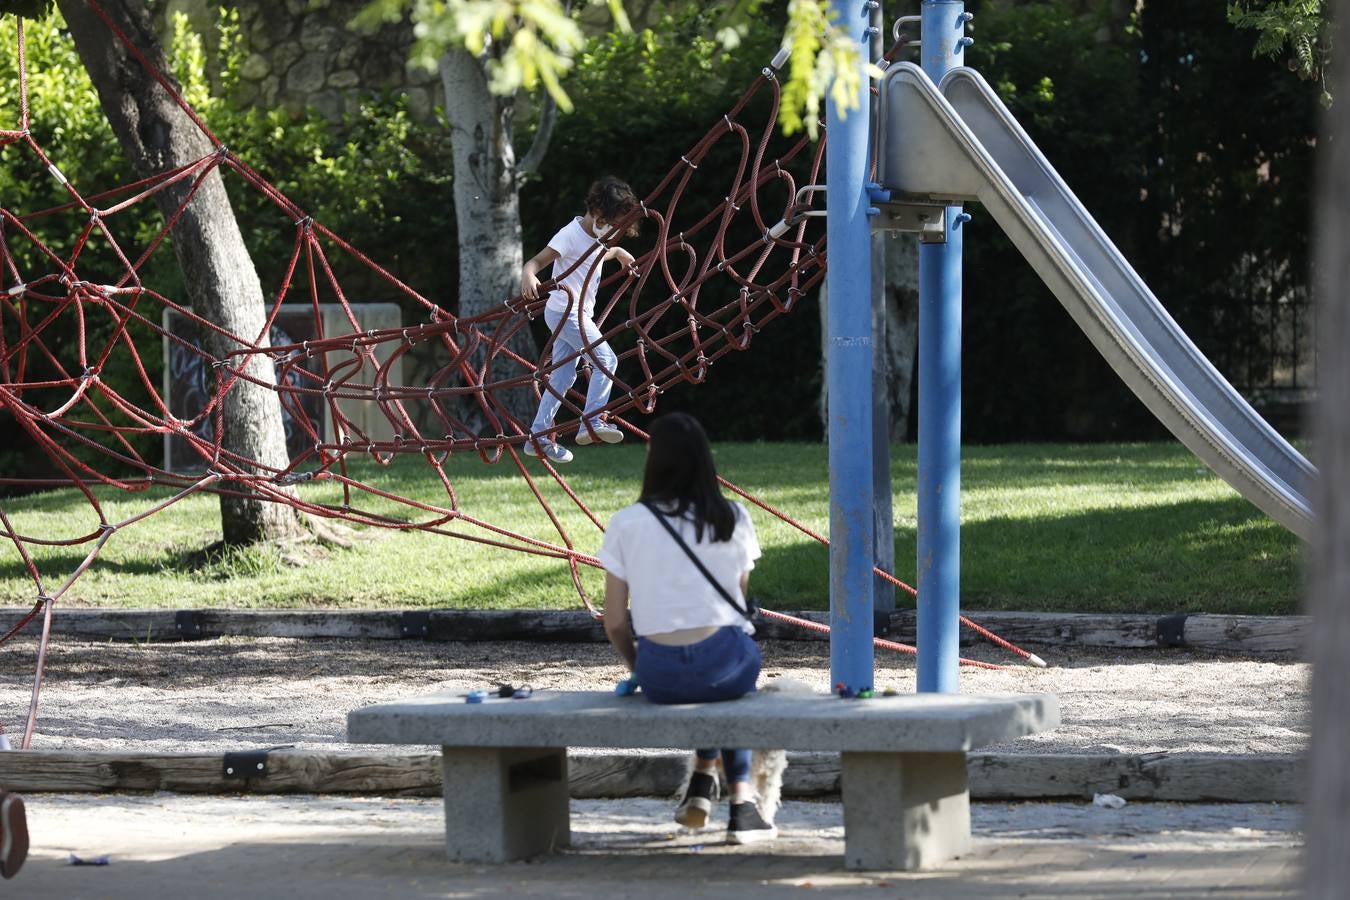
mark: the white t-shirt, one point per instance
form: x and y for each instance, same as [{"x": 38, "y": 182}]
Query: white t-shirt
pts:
[
  {"x": 572, "y": 243},
  {"x": 666, "y": 591}
]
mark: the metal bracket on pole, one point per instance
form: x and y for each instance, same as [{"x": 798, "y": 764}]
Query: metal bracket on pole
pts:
[{"x": 927, "y": 220}]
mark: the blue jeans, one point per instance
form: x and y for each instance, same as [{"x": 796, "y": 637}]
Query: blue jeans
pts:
[
  {"x": 568, "y": 341},
  {"x": 723, "y": 666}
]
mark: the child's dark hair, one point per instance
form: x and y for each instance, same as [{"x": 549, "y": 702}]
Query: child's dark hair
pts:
[
  {"x": 614, "y": 200},
  {"x": 680, "y": 471}
]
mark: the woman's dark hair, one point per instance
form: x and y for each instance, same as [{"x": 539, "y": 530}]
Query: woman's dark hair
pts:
[
  {"x": 680, "y": 471},
  {"x": 614, "y": 200}
]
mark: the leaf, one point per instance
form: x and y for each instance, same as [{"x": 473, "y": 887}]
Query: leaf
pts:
[{"x": 1293, "y": 27}]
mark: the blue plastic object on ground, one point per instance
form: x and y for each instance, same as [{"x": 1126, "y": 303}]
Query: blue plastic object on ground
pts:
[{"x": 626, "y": 687}]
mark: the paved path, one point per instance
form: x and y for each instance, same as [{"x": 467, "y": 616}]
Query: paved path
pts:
[{"x": 361, "y": 847}]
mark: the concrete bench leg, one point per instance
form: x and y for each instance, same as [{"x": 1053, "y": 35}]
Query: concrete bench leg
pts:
[
  {"x": 904, "y": 810},
  {"x": 504, "y": 803}
]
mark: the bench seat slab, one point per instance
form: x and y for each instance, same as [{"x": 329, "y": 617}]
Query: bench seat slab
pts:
[
  {"x": 904, "y": 810},
  {"x": 504, "y": 804}
]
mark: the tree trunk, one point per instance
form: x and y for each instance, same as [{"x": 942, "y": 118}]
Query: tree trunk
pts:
[
  {"x": 901, "y": 337},
  {"x": 902, "y": 329},
  {"x": 1328, "y": 817},
  {"x": 157, "y": 135},
  {"x": 487, "y": 213}
]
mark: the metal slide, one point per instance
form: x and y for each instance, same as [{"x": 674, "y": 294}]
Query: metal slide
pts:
[{"x": 960, "y": 143}]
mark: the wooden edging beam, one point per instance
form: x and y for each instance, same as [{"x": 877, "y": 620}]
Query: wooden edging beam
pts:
[
  {"x": 1271, "y": 778},
  {"x": 1236, "y": 634}
]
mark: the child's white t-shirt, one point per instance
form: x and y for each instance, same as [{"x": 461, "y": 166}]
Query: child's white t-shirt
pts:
[
  {"x": 572, "y": 243},
  {"x": 666, "y": 591}
]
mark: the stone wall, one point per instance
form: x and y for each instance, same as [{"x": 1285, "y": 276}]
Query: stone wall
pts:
[{"x": 303, "y": 53}]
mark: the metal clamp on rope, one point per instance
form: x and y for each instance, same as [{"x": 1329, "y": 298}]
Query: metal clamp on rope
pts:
[
  {"x": 286, "y": 479},
  {"x": 800, "y": 201},
  {"x": 901, "y": 22}
]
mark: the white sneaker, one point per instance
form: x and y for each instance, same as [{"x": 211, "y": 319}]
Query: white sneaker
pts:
[
  {"x": 599, "y": 431},
  {"x": 548, "y": 450}
]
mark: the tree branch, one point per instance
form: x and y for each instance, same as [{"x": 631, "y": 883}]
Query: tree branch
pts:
[{"x": 534, "y": 157}]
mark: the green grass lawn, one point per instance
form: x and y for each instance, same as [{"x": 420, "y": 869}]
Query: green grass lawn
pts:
[{"x": 1102, "y": 527}]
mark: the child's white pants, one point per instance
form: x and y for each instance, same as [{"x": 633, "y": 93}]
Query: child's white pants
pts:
[{"x": 569, "y": 341}]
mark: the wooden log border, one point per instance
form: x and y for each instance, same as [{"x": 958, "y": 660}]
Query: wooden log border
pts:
[
  {"x": 1248, "y": 778},
  {"x": 1254, "y": 635}
]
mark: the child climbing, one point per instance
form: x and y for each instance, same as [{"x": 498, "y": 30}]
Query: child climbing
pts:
[{"x": 569, "y": 312}]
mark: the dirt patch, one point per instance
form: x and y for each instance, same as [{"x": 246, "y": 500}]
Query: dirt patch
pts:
[{"x": 240, "y": 693}]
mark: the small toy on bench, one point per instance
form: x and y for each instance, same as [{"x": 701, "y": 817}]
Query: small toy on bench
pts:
[
  {"x": 504, "y": 691},
  {"x": 848, "y": 693}
]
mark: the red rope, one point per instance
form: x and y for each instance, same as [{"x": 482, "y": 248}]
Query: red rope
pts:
[{"x": 876, "y": 641}]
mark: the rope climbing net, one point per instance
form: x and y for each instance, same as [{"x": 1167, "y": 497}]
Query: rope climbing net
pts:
[{"x": 712, "y": 280}]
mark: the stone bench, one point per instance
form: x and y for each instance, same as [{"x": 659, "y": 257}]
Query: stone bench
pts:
[{"x": 903, "y": 759}]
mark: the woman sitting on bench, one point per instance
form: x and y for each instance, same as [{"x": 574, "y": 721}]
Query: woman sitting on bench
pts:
[{"x": 676, "y": 567}]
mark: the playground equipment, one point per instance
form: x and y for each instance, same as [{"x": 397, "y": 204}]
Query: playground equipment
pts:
[
  {"x": 758, "y": 253},
  {"x": 769, "y": 251},
  {"x": 943, "y": 139},
  {"x": 957, "y": 141}
]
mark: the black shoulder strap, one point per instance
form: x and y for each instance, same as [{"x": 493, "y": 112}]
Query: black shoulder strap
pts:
[{"x": 747, "y": 613}]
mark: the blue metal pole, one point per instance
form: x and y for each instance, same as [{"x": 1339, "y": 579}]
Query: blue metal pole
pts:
[
  {"x": 849, "y": 372},
  {"x": 939, "y": 538}
]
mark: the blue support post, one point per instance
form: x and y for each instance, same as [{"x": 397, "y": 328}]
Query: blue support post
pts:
[
  {"x": 939, "y": 527},
  {"x": 849, "y": 372}
]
